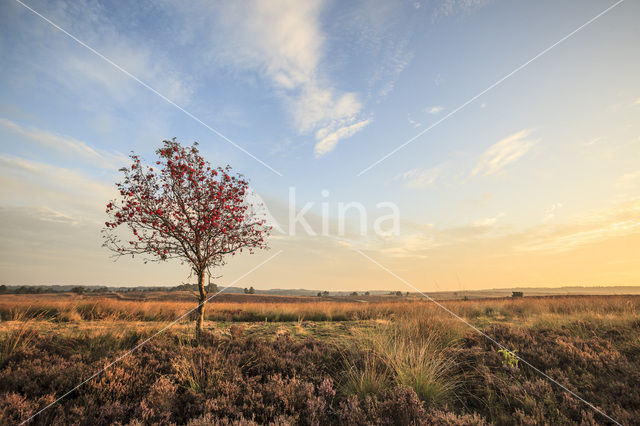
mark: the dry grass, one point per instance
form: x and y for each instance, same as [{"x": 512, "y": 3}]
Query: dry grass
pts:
[
  {"x": 17, "y": 337},
  {"x": 415, "y": 350},
  {"x": 529, "y": 311}
]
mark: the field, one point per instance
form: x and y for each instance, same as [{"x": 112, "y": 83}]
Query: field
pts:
[{"x": 307, "y": 360}]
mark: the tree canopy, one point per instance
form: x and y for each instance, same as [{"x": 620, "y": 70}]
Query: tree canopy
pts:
[{"x": 183, "y": 208}]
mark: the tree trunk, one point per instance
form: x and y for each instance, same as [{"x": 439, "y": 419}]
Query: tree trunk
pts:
[{"x": 201, "y": 303}]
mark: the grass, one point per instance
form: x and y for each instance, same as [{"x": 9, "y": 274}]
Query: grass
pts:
[
  {"x": 17, "y": 337},
  {"x": 416, "y": 351},
  {"x": 526, "y": 310},
  {"x": 365, "y": 376}
]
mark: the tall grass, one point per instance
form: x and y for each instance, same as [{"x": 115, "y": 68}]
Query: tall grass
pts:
[
  {"x": 526, "y": 310},
  {"x": 198, "y": 371},
  {"x": 368, "y": 375},
  {"x": 415, "y": 350},
  {"x": 17, "y": 337}
]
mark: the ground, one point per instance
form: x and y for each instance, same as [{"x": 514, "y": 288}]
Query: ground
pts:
[{"x": 297, "y": 360}]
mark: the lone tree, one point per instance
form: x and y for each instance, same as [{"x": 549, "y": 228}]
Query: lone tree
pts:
[{"x": 183, "y": 209}]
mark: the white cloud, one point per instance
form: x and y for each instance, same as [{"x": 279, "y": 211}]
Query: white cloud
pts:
[
  {"x": 629, "y": 180},
  {"x": 570, "y": 241},
  {"x": 413, "y": 122},
  {"x": 487, "y": 222},
  {"x": 451, "y": 7},
  {"x": 30, "y": 183},
  {"x": 83, "y": 73},
  {"x": 328, "y": 137},
  {"x": 550, "y": 213},
  {"x": 283, "y": 41},
  {"x": 504, "y": 152},
  {"x": 420, "y": 178},
  {"x": 590, "y": 227},
  {"x": 320, "y": 108},
  {"x": 379, "y": 29},
  {"x": 434, "y": 110},
  {"x": 412, "y": 245},
  {"x": 67, "y": 145},
  {"x": 592, "y": 142}
]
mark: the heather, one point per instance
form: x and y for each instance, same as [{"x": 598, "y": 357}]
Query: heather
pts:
[{"x": 403, "y": 366}]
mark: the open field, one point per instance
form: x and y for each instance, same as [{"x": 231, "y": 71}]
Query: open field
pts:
[{"x": 304, "y": 360}]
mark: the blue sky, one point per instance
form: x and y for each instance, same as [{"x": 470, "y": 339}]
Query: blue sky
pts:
[{"x": 524, "y": 186}]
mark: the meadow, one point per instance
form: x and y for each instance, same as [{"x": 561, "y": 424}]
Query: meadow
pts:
[{"x": 305, "y": 360}]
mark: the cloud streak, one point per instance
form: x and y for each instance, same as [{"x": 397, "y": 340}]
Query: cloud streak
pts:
[
  {"x": 29, "y": 183},
  {"x": 504, "y": 152},
  {"x": 434, "y": 110},
  {"x": 327, "y": 141},
  {"x": 421, "y": 178},
  {"x": 67, "y": 145}
]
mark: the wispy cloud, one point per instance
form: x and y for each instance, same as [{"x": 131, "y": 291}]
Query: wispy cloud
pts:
[
  {"x": 328, "y": 139},
  {"x": 434, "y": 110},
  {"x": 451, "y": 7},
  {"x": 629, "y": 180},
  {"x": 413, "y": 122},
  {"x": 85, "y": 74},
  {"x": 590, "y": 228},
  {"x": 420, "y": 178},
  {"x": 284, "y": 42},
  {"x": 487, "y": 221},
  {"x": 569, "y": 241},
  {"x": 550, "y": 213},
  {"x": 67, "y": 145},
  {"x": 410, "y": 246},
  {"x": 617, "y": 221},
  {"x": 504, "y": 152},
  {"x": 592, "y": 142},
  {"x": 32, "y": 183}
]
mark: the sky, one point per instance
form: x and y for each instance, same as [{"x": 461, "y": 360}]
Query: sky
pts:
[{"x": 490, "y": 144}]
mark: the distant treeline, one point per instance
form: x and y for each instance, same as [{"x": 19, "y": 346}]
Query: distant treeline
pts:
[{"x": 30, "y": 289}]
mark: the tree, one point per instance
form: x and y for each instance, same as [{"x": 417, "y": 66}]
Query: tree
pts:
[
  {"x": 355, "y": 293},
  {"x": 183, "y": 209},
  {"x": 78, "y": 290},
  {"x": 366, "y": 293},
  {"x": 252, "y": 290}
]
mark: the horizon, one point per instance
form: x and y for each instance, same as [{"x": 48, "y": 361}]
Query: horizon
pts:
[
  {"x": 301, "y": 289},
  {"x": 500, "y": 139}
]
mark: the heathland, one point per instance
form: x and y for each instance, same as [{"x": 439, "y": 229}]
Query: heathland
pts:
[{"x": 313, "y": 360}]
